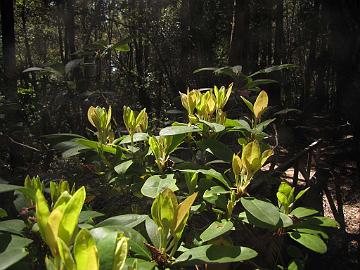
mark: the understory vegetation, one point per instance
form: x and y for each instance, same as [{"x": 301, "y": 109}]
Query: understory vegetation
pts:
[
  {"x": 202, "y": 196},
  {"x": 179, "y": 134}
]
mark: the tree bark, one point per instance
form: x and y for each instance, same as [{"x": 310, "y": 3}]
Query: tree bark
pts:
[
  {"x": 239, "y": 33},
  {"x": 69, "y": 22},
  {"x": 8, "y": 48}
]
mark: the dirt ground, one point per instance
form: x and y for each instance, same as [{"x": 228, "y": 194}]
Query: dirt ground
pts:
[{"x": 340, "y": 191}]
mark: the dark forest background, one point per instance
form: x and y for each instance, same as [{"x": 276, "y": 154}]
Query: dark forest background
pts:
[{"x": 59, "y": 57}]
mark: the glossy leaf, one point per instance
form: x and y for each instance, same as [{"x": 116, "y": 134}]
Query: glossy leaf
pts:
[
  {"x": 123, "y": 167},
  {"x": 153, "y": 232},
  {"x": 140, "y": 264},
  {"x": 128, "y": 220},
  {"x": 71, "y": 215},
  {"x": 15, "y": 226},
  {"x": 12, "y": 249},
  {"x": 136, "y": 241},
  {"x": 215, "y": 127},
  {"x": 263, "y": 211},
  {"x": 42, "y": 212},
  {"x": 260, "y": 104},
  {"x": 215, "y": 254},
  {"x": 85, "y": 251},
  {"x": 176, "y": 130},
  {"x": 248, "y": 104},
  {"x": 155, "y": 184},
  {"x": 212, "y": 195},
  {"x": 310, "y": 241},
  {"x": 301, "y": 193},
  {"x": 183, "y": 213},
  {"x": 88, "y": 215},
  {"x": 301, "y": 212},
  {"x": 66, "y": 256},
  {"x": 105, "y": 239},
  {"x": 7, "y": 188},
  {"x": 3, "y": 213},
  {"x": 138, "y": 137},
  {"x": 216, "y": 229},
  {"x": 210, "y": 172},
  {"x": 120, "y": 255}
]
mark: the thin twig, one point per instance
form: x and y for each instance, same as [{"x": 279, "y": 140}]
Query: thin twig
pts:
[{"x": 23, "y": 145}]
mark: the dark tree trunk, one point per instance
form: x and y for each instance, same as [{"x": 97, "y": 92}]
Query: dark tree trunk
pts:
[
  {"x": 310, "y": 61},
  {"x": 69, "y": 22},
  {"x": 279, "y": 33},
  {"x": 8, "y": 48},
  {"x": 239, "y": 33}
]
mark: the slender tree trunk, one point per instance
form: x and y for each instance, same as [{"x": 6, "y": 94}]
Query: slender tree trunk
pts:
[
  {"x": 310, "y": 61},
  {"x": 28, "y": 56},
  {"x": 239, "y": 33},
  {"x": 8, "y": 48},
  {"x": 279, "y": 33}
]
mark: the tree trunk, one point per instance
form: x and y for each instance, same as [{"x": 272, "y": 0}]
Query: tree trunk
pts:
[
  {"x": 279, "y": 33},
  {"x": 69, "y": 22},
  {"x": 8, "y": 48},
  {"x": 239, "y": 33}
]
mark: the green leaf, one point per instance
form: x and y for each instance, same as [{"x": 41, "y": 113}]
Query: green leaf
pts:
[
  {"x": 128, "y": 220},
  {"x": 105, "y": 239},
  {"x": 321, "y": 221},
  {"x": 42, "y": 212},
  {"x": 141, "y": 264},
  {"x": 15, "y": 226},
  {"x": 155, "y": 184},
  {"x": 3, "y": 213},
  {"x": 212, "y": 195},
  {"x": 216, "y": 229},
  {"x": 217, "y": 148},
  {"x": 176, "y": 141},
  {"x": 215, "y": 254},
  {"x": 296, "y": 264},
  {"x": 136, "y": 241},
  {"x": 121, "y": 47},
  {"x": 138, "y": 137},
  {"x": 65, "y": 255},
  {"x": 210, "y": 172},
  {"x": 12, "y": 249},
  {"x": 7, "y": 188},
  {"x": 282, "y": 199},
  {"x": 85, "y": 216},
  {"x": 260, "y": 104},
  {"x": 205, "y": 69},
  {"x": 301, "y": 193},
  {"x": 262, "y": 211},
  {"x": 182, "y": 214},
  {"x": 121, "y": 252},
  {"x": 176, "y": 130},
  {"x": 314, "y": 231},
  {"x": 85, "y": 251},
  {"x": 71, "y": 215},
  {"x": 248, "y": 104},
  {"x": 301, "y": 212},
  {"x": 96, "y": 145},
  {"x": 153, "y": 232},
  {"x": 274, "y": 68},
  {"x": 123, "y": 167},
  {"x": 261, "y": 126},
  {"x": 32, "y": 69},
  {"x": 310, "y": 241},
  {"x": 215, "y": 127},
  {"x": 285, "y": 220}
]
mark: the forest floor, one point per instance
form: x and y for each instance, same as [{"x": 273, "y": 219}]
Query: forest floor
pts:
[{"x": 340, "y": 191}]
